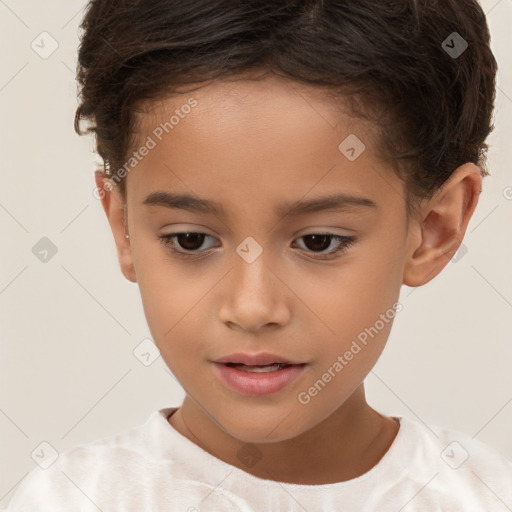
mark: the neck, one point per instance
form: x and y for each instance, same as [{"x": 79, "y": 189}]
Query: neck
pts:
[{"x": 343, "y": 446}]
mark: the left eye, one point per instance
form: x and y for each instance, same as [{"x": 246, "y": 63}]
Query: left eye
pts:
[
  {"x": 190, "y": 243},
  {"x": 322, "y": 241}
]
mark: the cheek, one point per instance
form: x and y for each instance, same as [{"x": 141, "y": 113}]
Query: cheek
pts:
[
  {"x": 174, "y": 298},
  {"x": 351, "y": 296},
  {"x": 377, "y": 277},
  {"x": 172, "y": 305},
  {"x": 355, "y": 305},
  {"x": 168, "y": 289}
]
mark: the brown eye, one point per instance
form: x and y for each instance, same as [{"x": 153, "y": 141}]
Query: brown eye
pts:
[
  {"x": 320, "y": 242},
  {"x": 185, "y": 244},
  {"x": 190, "y": 241},
  {"x": 317, "y": 242}
]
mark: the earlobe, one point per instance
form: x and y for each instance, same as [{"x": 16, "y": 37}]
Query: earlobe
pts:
[
  {"x": 114, "y": 208},
  {"x": 437, "y": 232}
]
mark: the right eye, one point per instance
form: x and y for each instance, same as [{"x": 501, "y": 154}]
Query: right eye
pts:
[{"x": 188, "y": 241}]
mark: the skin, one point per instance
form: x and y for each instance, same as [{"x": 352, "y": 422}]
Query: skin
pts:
[{"x": 250, "y": 145}]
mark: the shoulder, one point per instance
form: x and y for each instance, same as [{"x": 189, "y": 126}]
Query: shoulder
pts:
[
  {"x": 75, "y": 478},
  {"x": 457, "y": 466}
]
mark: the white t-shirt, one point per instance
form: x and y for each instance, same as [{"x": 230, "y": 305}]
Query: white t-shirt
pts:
[{"x": 154, "y": 468}]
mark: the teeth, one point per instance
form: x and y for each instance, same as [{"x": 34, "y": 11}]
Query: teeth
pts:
[{"x": 258, "y": 368}]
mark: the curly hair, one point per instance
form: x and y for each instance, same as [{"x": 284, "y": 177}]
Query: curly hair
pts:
[{"x": 422, "y": 71}]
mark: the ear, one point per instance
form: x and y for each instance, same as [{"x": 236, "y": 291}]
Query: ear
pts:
[
  {"x": 439, "y": 228},
  {"x": 112, "y": 203}
]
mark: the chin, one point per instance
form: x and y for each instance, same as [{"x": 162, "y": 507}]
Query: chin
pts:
[{"x": 259, "y": 427}]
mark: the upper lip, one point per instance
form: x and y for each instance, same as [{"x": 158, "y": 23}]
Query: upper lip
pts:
[{"x": 263, "y": 358}]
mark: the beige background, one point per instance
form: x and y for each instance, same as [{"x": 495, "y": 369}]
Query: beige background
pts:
[{"x": 69, "y": 326}]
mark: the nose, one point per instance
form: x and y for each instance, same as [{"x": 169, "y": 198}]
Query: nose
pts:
[{"x": 254, "y": 296}]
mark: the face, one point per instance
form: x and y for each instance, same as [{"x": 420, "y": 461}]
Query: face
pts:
[{"x": 259, "y": 274}]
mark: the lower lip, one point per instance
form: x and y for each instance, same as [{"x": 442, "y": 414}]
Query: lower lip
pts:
[{"x": 258, "y": 383}]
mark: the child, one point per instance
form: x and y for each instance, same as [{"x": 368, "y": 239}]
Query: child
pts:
[{"x": 261, "y": 129}]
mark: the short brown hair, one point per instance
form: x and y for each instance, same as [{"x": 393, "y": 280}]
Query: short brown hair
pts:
[{"x": 409, "y": 58}]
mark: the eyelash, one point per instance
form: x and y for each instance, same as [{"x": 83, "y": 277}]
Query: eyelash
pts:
[{"x": 345, "y": 243}]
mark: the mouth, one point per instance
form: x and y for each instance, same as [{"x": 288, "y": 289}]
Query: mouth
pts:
[
  {"x": 258, "y": 379},
  {"x": 261, "y": 359},
  {"x": 258, "y": 368}
]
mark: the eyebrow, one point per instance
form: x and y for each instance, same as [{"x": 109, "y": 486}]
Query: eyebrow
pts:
[{"x": 336, "y": 202}]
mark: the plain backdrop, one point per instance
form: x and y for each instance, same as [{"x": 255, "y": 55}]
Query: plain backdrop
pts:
[{"x": 70, "y": 325}]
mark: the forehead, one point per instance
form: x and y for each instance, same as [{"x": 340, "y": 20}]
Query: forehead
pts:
[
  {"x": 267, "y": 137},
  {"x": 267, "y": 105},
  {"x": 249, "y": 90}
]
